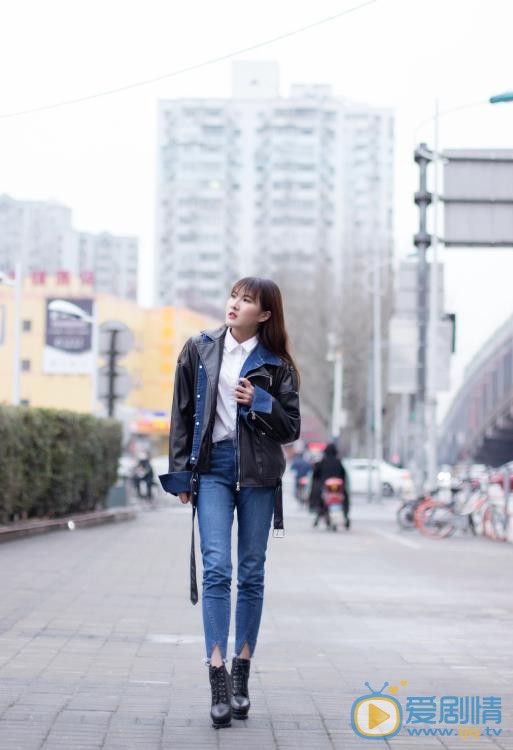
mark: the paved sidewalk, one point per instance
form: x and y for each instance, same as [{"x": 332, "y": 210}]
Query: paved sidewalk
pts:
[
  {"x": 33, "y": 527},
  {"x": 100, "y": 647}
]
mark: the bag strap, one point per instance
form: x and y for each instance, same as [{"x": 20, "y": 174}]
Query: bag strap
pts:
[
  {"x": 194, "y": 501},
  {"x": 278, "y": 530}
]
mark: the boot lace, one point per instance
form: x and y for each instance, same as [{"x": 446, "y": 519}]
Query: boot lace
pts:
[
  {"x": 220, "y": 686},
  {"x": 240, "y": 680}
]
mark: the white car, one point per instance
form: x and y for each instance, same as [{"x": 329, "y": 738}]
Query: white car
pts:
[{"x": 394, "y": 481}]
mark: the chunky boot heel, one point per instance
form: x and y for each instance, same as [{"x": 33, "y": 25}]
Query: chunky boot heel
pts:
[
  {"x": 240, "y": 697},
  {"x": 220, "y": 712}
]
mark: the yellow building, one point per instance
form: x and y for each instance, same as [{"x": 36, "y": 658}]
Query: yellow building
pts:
[{"x": 159, "y": 336}]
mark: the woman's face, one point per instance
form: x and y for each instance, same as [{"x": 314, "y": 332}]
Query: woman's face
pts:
[{"x": 243, "y": 311}]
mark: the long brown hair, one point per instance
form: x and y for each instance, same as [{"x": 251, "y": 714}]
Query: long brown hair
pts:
[{"x": 272, "y": 332}]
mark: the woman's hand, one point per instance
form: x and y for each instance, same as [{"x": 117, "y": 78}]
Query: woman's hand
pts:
[
  {"x": 184, "y": 497},
  {"x": 244, "y": 392}
]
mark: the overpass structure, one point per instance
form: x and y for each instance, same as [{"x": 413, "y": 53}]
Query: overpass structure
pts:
[{"x": 479, "y": 424}]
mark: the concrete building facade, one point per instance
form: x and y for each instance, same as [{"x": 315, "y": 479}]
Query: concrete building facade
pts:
[
  {"x": 159, "y": 335},
  {"x": 259, "y": 182},
  {"x": 42, "y": 234}
]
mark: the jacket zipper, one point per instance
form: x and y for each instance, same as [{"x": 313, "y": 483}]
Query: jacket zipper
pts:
[{"x": 254, "y": 415}]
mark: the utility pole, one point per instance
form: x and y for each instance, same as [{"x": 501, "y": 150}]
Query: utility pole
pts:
[
  {"x": 18, "y": 314},
  {"x": 94, "y": 347},
  {"x": 336, "y": 411},
  {"x": 369, "y": 428},
  {"x": 115, "y": 340},
  {"x": 17, "y": 283},
  {"x": 377, "y": 377},
  {"x": 111, "y": 372},
  {"x": 377, "y": 367},
  {"x": 334, "y": 356},
  {"x": 434, "y": 318},
  {"x": 423, "y": 156}
]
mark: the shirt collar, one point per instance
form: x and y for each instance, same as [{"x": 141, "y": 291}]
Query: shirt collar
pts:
[{"x": 231, "y": 343}]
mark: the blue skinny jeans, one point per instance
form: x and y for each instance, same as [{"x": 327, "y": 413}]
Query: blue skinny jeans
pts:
[{"x": 217, "y": 500}]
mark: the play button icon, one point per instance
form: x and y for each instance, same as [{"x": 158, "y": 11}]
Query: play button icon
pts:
[{"x": 376, "y": 715}]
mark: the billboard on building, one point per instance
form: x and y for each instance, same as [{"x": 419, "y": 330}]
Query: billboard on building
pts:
[{"x": 68, "y": 336}]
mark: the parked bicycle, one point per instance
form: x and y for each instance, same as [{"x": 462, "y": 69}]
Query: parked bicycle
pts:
[
  {"x": 482, "y": 510},
  {"x": 406, "y": 512}
]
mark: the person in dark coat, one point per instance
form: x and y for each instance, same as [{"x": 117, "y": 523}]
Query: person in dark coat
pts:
[
  {"x": 329, "y": 466},
  {"x": 143, "y": 474}
]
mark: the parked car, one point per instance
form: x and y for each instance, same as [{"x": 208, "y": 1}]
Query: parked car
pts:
[{"x": 395, "y": 482}]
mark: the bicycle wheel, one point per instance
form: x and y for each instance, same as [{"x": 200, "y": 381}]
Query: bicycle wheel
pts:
[
  {"x": 494, "y": 524},
  {"x": 418, "y": 510},
  {"x": 435, "y": 520},
  {"x": 405, "y": 515}
]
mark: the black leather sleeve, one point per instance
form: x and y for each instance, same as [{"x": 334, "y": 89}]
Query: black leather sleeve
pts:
[
  {"x": 282, "y": 421},
  {"x": 182, "y": 411}
]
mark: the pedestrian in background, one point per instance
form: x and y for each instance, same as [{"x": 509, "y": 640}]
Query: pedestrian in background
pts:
[
  {"x": 143, "y": 474},
  {"x": 235, "y": 404},
  {"x": 329, "y": 466},
  {"x": 301, "y": 468}
]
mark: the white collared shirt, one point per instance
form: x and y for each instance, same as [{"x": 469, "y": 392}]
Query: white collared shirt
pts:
[{"x": 234, "y": 356}]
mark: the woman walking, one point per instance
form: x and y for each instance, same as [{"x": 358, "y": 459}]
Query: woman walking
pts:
[{"x": 235, "y": 404}]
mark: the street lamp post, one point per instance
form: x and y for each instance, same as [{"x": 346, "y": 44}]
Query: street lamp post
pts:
[
  {"x": 429, "y": 414},
  {"x": 433, "y": 320},
  {"x": 377, "y": 369},
  {"x": 507, "y": 96},
  {"x": 18, "y": 304},
  {"x": 338, "y": 374},
  {"x": 18, "y": 291},
  {"x": 335, "y": 356},
  {"x": 377, "y": 348},
  {"x": 422, "y": 241}
]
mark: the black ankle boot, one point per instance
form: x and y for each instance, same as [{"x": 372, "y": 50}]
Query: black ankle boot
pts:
[
  {"x": 240, "y": 696},
  {"x": 220, "y": 711}
]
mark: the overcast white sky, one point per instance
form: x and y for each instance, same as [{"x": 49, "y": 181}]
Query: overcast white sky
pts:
[{"x": 98, "y": 157}]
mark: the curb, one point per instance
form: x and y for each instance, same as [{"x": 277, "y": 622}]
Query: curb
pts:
[{"x": 81, "y": 520}]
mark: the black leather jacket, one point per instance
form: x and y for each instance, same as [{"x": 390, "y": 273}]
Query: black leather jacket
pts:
[
  {"x": 261, "y": 433},
  {"x": 272, "y": 420}
]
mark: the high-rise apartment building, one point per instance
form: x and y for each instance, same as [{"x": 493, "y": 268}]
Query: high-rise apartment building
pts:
[
  {"x": 258, "y": 183},
  {"x": 42, "y": 233},
  {"x": 113, "y": 260}
]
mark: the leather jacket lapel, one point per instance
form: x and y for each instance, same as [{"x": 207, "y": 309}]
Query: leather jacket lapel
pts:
[
  {"x": 258, "y": 357},
  {"x": 211, "y": 354},
  {"x": 210, "y": 349}
]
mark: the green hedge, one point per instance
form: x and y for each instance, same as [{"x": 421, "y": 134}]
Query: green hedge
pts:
[{"x": 55, "y": 462}]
